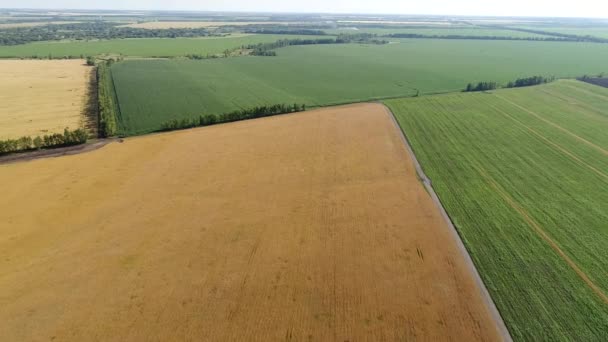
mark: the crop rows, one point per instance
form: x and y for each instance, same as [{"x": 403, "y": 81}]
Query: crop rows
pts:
[{"x": 523, "y": 174}]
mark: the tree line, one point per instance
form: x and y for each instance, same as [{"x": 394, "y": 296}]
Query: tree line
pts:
[
  {"x": 599, "y": 80},
  {"x": 469, "y": 37},
  {"x": 93, "y": 30},
  {"x": 68, "y": 138},
  {"x": 529, "y": 81},
  {"x": 520, "y": 82},
  {"x": 562, "y": 36},
  {"x": 237, "y": 115},
  {"x": 266, "y": 49},
  {"x": 107, "y": 101},
  {"x": 481, "y": 86},
  {"x": 301, "y": 32}
]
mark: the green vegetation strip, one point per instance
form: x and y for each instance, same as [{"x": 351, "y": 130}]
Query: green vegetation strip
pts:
[
  {"x": 68, "y": 138},
  {"x": 527, "y": 196},
  {"x": 109, "y": 112}
]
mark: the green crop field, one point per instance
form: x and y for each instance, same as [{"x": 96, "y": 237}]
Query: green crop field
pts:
[
  {"x": 601, "y": 32},
  {"x": 146, "y": 47},
  {"x": 439, "y": 31},
  {"x": 523, "y": 173},
  {"x": 154, "y": 91}
]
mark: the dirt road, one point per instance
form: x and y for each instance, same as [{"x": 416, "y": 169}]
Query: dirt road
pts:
[{"x": 304, "y": 227}]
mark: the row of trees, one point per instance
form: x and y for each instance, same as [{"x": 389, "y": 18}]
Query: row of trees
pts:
[
  {"x": 561, "y": 36},
  {"x": 520, "y": 82},
  {"x": 68, "y": 138},
  {"x": 481, "y": 86},
  {"x": 107, "y": 101},
  {"x": 529, "y": 81},
  {"x": 265, "y": 49},
  {"x": 599, "y": 80},
  {"x": 238, "y": 115},
  {"x": 301, "y": 32},
  {"x": 458, "y": 36}
]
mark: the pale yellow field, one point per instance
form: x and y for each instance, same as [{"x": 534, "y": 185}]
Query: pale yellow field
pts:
[
  {"x": 33, "y": 24},
  {"x": 304, "y": 227},
  {"x": 40, "y": 96},
  {"x": 200, "y": 24}
]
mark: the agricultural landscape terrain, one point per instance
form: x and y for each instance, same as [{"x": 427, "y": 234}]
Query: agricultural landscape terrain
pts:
[
  {"x": 39, "y": 97},
  {"x": 523, "y": 174},
  {"x": 321, "y": 257},
  {"x": 323, "y": 75},
  {"x": 392, "y": 177}
]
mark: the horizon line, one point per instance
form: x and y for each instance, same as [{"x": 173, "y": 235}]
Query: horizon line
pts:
[{"x": 299, "y": 12}]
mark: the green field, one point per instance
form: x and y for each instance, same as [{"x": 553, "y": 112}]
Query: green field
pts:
[
  {"x": 601, "y": 32},
  {"x": 154, "y": 91},
  {"x": 462, "y": 31},
  {"x": 510, "y": 165},
  {"x": 147, "y": 47}
]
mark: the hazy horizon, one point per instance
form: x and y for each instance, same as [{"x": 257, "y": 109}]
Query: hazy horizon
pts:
[{"x": 516, "y": 8}]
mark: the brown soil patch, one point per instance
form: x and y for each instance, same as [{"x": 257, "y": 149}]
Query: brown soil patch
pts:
[
  {"x": 311, "y": 226},
  {"x": 41, "y": 97}
]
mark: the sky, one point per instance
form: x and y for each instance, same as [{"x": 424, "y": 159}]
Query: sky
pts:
[{"x": 543, "y": 8}]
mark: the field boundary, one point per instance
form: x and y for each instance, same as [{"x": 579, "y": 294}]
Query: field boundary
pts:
[
  {"x": 502, "y": 328},
  {"x": 56, "y": 152}
]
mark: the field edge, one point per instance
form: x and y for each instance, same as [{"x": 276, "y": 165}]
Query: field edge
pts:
[{"x": 426, "y": 182}]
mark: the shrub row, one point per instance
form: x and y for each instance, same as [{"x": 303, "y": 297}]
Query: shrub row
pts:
[
  {"x": 459, "y": 36},
  {"x": 520, "y": 82},
  {"x": 108, "y": 104},
  {"x": 244, "y": 114},
  {"x": 481, "y": 86},
  {"x": 530, "y": 81},
  {"x": 265, "y": 49},
  {"x": 68, "y": 138}
]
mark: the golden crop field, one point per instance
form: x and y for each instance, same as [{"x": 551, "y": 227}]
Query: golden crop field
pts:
[
  {"x": 201, "y": 24},
  {"x": 309, "y": 226},
  {"x": 38, "y": 97}
]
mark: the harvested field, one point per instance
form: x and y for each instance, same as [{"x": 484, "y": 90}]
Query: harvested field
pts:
[
  {"x": 202, "y": 24},
  {"x": 41, "y": 97},
  {"x": 309, "y": 226}
]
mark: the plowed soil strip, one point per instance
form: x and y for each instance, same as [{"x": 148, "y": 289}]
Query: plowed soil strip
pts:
[
  {"x": 599, "y": 148},
  {"x": 541, "y": 232},
  {"x": 310, "y": 226}
]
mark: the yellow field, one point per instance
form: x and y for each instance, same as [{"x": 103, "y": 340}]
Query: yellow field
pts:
[
  {"x": 199, "y": 24},
  {"x": 39, "y": 97},
  {"x": 304, "y": 227}
]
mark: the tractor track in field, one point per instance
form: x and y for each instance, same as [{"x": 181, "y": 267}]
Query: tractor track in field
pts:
[
  {"x": 599, "y": 148},
  {"x": 543, "y": 234},
  {"x": 469, "y": 262},
  {"x": 597, "y": 113},
  {"x": 552, "y": 144},
  {"x": 588, "y": 92}
]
